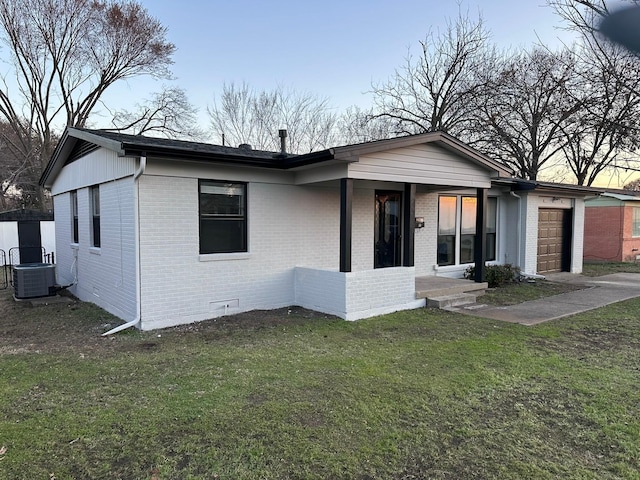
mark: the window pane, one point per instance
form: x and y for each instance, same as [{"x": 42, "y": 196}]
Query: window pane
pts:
[
  {"x": 95, "y": 216},
  {"x": 95, "y": 205},
  {"x": 468, "y": 220},
  {"x": 96, "y": 231},
  {"x": 222, "y": 236},
  {"x": 222, "y": 199},
  {"x": 491, "y": 246},
  {"x": 492, "y": 203},
  {"x": 446, "y": 245},
  {"x": 447, "y": 216},
  {"x": 492, "y": 212},
  {"x": 636, "y": 222},
  {"x": 74, "y": 215},
  {"x": 467, "y": 243}
]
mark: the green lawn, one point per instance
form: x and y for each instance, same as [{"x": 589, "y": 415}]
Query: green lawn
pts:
[
  {"x": 418, "y": 394},
  {"x": 595, "y": 269}
]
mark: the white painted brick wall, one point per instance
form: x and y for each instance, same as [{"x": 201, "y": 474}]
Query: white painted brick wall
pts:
[
  {"x": 426, "y": 239},
  {"x": 530, "y": 233},
  {"x": 382, "y": 290},
  {"x": 289, "y": 226},
  {"x": 107, "y": 274},
  {"x": 362, "y": 244},
  {"x": 356, "y": 295},
  {"x": 321, "y": 290}
]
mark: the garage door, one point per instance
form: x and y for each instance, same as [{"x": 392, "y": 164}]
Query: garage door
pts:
[{"x": 553, "y": 240}]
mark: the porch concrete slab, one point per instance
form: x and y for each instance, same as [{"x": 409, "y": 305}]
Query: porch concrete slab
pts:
[
  {"x": 432, "y": 286},
  {"x": 598, "y": 292}
]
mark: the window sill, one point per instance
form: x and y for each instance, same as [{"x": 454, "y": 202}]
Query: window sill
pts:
[
  {"x": 95, "y": 250},
  {"x": 217, "y": 257},
  {"x": 74, "y": 246}
]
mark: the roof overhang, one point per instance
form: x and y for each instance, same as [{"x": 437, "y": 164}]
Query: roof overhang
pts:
[{"x": 522, "y": 185}]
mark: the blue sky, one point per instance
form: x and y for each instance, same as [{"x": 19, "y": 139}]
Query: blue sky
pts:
[{"x": 331, "y": 48}]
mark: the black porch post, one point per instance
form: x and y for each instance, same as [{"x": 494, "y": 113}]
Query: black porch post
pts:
[
  {"x": 408, "y": 225},
  {"x": 346, "y": 215},
  {"x": 479, "y": 248}
]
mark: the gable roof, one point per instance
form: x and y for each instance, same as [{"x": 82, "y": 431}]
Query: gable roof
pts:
[{"x": 76, "y": 142}]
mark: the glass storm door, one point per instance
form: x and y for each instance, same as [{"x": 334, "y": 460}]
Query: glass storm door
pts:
[{"x": 387, "y": 235}]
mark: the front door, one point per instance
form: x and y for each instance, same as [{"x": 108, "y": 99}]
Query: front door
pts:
[{"x": 387, "y": 235}]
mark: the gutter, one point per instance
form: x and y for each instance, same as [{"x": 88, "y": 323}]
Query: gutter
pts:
[{"x": 136, "y": 215}]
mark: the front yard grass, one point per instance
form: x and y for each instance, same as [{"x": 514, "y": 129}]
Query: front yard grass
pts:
[
  {"x": 593, "y": 269},
  {"x": 514, "y": 293},
  {"x": 292, "y": 394}
]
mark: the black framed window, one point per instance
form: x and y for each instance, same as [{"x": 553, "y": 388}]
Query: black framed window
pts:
[
  {"x": 95, "y": 215},
  {"x": 74, "y": 217},
  {"x": 457, "y": 219},
  {"x": 447, "y": 207},
  {"x": 223, "y": 217}
]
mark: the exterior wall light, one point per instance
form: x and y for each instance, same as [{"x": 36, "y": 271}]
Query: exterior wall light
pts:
[{"x": 419, "y": 222}]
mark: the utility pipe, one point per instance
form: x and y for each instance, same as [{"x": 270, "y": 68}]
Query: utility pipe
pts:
[{"x": 136, "y": 216}]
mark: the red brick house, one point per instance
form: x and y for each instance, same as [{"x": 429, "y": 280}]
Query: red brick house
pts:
[{"x": 612, "y": 227}]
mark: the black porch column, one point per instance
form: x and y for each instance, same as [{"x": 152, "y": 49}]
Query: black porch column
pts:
[
  {"x": 346, "y": 216},
  {"x": 408, "y": 225},
  {"x": 480, "y": 248}
]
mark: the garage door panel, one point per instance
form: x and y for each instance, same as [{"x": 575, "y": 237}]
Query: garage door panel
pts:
[{"x": 551, "y": 239}]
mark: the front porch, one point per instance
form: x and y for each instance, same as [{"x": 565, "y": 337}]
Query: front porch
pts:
[{"x": 442, "y": 292}]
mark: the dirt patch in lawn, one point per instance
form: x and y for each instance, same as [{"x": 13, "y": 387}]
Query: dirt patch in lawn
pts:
[{"x": 48, "y": 326}]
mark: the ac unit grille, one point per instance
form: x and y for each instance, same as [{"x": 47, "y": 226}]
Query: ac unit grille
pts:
[{"x": 31, "y": 280}]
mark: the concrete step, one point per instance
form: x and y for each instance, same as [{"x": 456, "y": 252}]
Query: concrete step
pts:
[
  {"x": 454, "y": 300},
  {"x": 453, "y": 289}
]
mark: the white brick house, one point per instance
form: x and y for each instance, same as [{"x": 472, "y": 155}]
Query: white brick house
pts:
[{"x": 162, "y": 232}]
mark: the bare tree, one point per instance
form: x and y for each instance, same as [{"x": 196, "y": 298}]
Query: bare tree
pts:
[
  {"x": 524, "y": 105},
  {"x": 243, "y": 115},
  {"x": 64, "y": 55},
  {"x": 633, "y": 186},
  {"x": 604, "y": 133},
  {"x": 358, "y": 126},
  {"x": 434, "y": 91},
  {"x": 167, "y": 113}
]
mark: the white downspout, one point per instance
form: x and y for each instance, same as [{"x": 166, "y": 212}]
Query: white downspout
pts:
[{"x": 136, "y": 218}]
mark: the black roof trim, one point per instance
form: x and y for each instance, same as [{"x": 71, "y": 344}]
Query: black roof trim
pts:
[{"x": 523, "y": 185}]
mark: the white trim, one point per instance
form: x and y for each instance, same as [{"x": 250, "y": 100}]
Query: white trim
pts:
[{"x": 218, "y": 257}]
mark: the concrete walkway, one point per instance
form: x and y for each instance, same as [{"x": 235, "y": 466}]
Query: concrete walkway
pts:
[{"x": 598, "y": 292}]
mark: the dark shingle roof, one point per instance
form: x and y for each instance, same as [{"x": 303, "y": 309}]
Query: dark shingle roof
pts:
[{"x": 138, "y": 143}]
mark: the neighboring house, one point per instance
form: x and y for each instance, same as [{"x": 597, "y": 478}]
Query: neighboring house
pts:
[
  {"x": 612, "y": 227},
  {"x": 26, "y": 236},
  {"x": 162, "y": 232}
]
